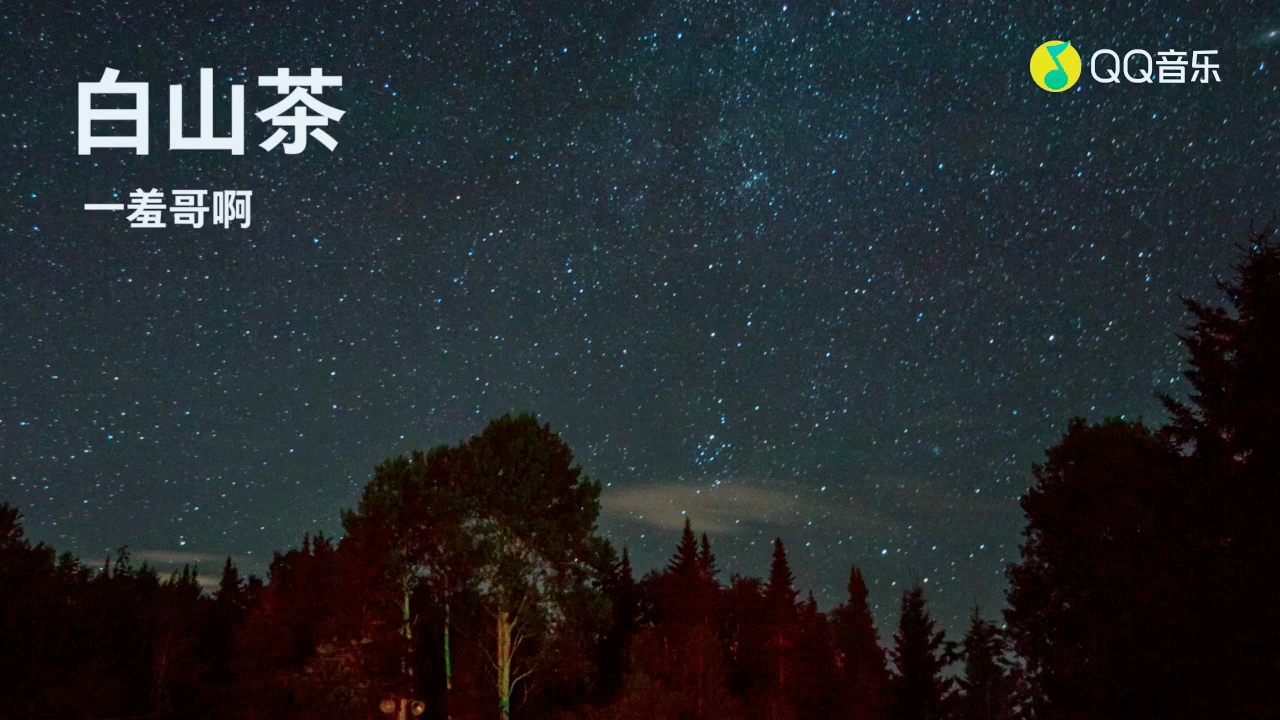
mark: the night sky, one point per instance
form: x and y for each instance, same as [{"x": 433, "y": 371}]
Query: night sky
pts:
[{"x": 837, "y": 272}]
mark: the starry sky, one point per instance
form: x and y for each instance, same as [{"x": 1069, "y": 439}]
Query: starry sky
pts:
[{"x": 834, "y": 271}]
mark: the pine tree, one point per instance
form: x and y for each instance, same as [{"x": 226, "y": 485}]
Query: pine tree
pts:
[
  {"x": 684, "y": 563},
  {"x": 685, "y": 594},
  {"x": 859, "y": 657},
  {"x": 780, "y": 593},
  {"x": 230, "y": 587},
  {"x": 1231, "y": 432},
  {"x": 816, "y": 688},
  {"x": 707, "y": 570},
  {"x": 780, "y": 603},
  {"x": 921, "y": 655},
  {"x": 987, "y": 683},
  {"x": 611, "y": 656}
]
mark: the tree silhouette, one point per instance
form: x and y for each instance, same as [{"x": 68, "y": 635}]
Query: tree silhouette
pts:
[
  {"x": 815, "y": 688},
  {"x": 780, "y": 592},
  {"x": 684, "y": 563},
  {"x": 707, "y": 569},
  {"x": 620, "y": 589},
  {"x": 29, "y": 592},
  {"x": 1147, "y": 584},
  {"x": 1230, "y": 435},
  {"x": 1095, "y": 604},
  {"x": 860, "y": 660},
  {"x": 745, "y": 627},
  {"x": 780, "y": 604},
  {"x": 988, "y": 684},
  {"x": 408, "y": 540},
  {"x": 535, "y": 527},
  {"x": 919, "y": 688}
]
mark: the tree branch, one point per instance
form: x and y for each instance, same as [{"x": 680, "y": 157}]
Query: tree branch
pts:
[{"x": 520, "y": 677}]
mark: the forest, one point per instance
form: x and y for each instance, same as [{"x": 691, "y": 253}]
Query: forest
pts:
[{"x": 472, "y": 581}]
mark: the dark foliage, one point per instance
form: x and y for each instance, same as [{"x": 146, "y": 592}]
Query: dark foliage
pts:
[
  {"x": 919, "y": 688},
  {"x": 989, "y": 684},
  {"x": 1147, "y": 585},
  {"x": 860, "y": 659},
  {"x": 1146, "y": 588}
]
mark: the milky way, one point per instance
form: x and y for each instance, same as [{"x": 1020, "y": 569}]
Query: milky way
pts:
[{"x": 833, "y": 272}]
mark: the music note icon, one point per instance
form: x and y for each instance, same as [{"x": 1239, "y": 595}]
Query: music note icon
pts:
[
  {"x": 1055, "y": 66},
  {"x": 1057, "y": 78}
]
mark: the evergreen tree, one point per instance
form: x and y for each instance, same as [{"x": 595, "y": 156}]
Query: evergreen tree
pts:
[
  {"x": 747, "y": 632},
  {"x": 860, "y": 659},
  {"x": 684, "y": 563},
  {"x": 620, "y": 589},
  {"x": 1230, "y": 434},
  {"x": 684, "y": 595},
  {"x": 707, "y": 570},
  {"x": 780, "y": 593},
  {"x": 231, "y": 590},
  {"x": 780, "y": 602},
  {"x": 816, "y": 688},
  {"x": 988, "y": 683},
  {"x": 707, "y": 592},
  {"x": 921, "y": 655}
]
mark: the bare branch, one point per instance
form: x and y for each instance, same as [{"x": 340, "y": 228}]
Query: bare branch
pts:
[
  {"x": 489, "y": 656},
  {"x": 521, "y": 676}
]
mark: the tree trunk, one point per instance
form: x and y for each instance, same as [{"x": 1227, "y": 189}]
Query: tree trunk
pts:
[
  {"x": 407, "y": 628},
  {"x": 503, "y": 662},
  {"x": 406, "y": 665},
  {"x": 448, "y": 663}
]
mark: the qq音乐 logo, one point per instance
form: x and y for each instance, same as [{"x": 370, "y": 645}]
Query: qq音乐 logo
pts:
[{"x": 1055, "y": 66}]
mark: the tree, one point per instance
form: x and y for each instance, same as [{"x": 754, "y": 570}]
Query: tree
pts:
[
  {"x": 988, "y": 683},
  {"x": 780, "y": 603},
  {"x": 27, "y": 588},
  {"x": 619, "y": 587},
  {"x": 410, "y": 532},
  {"x": 707, "y": 570},
  {"x": 921, "y": 655},
  {"x": 685, "y": 593},
  {"x": 175, "y": 668},
  {"x": 227, "y": 612},
  {"x": 283, "y": 633},
  {"x": 780, "y": 592},
  {"x": 815, "y": 688},
  {"x": 1096, "y": 605},
  {"x": 1230, "y": 435},
  {"x": 535, "y": 529},
  {"x": 745, "y": 627},
  {"x": 1147, "y": 586},
  {"x": 663, "y": 685},
  {"x": 684, "y": 563},
  {"x": 860, "y": 660}
]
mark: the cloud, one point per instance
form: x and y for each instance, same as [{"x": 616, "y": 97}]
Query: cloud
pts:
[
  {"x": 187, "y": 557},
  {"x": 737, "y": 505},
  {"x": 208, "y": 563},
  {"x": 869, "y": 507}
]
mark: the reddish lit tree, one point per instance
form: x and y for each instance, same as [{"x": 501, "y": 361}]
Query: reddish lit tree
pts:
[{"x": 860, "y": 659}]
